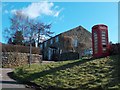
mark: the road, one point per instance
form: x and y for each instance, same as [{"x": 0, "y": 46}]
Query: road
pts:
[{"x": 6, "y": 81}]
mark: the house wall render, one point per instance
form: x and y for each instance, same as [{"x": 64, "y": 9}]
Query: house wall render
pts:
[{"x": 80, "y": 38}]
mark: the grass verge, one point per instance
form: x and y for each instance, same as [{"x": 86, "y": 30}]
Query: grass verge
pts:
[{"x": 102, "y": 74}]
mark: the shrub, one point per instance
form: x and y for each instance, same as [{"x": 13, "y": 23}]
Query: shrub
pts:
[
  {"x": 19, "y": 48},
  {"x": 68, "y": 43},
  {"x": 69, "y": 56},
  {"x": 115, "y": 49}
]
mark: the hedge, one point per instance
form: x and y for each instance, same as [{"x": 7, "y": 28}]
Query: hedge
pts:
[{"x": 19, "y": 48}]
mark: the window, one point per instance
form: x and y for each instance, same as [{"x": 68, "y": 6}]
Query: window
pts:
[
  {"x": 103, "y": 37},
  {"x": 103, "y": 43},
  {"x": 95, "y": 42},
  {"x": 60, "y": 51},
  {"x": 41, "y": 46},
  {"x": 51, "y": 41},
  {"x": 57, "y": 39},
  {"x": 95, "y": 37},
  {"x": 103, "y": 40},
  {"x": 45, "y": 44},
  {"x": 95, "y": 33},
  {"x": 103, "y": 33},
  {"x": 104, "y": 49},
  {"x": 75, "y": 42}
]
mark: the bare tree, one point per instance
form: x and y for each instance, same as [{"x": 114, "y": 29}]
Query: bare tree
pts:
[
  {"x": 18, "y": 23},
  {"x": 42, "y": 29},
  {"x": 32, "y": 30}
]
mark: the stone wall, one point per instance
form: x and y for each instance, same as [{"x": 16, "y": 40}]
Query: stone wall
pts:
[{"x": 14, "y": 59}]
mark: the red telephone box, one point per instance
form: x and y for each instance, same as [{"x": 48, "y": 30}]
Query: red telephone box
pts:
[{"x": 100, "y": 43}]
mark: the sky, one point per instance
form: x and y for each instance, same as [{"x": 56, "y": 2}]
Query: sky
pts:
[{"x": 66, "y": 15}]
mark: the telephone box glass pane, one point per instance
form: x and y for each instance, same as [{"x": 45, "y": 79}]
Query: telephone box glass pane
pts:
[{"x": 95, "y": 42}]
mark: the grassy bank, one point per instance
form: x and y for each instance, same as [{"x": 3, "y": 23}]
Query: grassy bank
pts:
[{"x": 97, "y": 74}]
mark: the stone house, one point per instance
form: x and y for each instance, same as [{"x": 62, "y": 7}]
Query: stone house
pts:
[{"x": 75, "y": 40}]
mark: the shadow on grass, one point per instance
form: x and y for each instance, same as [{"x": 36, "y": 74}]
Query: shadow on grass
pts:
[
  {"x": 31, "y": 77},
  {"x": 12, "y": 76},
  {"x": 53, "y": 70}
]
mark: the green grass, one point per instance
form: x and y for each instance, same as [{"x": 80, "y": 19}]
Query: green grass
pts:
[{"x": 77, "y": 74}]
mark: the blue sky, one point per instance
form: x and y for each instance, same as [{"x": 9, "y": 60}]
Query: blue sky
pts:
[{"x": 67, "y": 15}]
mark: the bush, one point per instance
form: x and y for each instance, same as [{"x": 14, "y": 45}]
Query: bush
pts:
[
  {"x": 115, "y": 49},
  {"x": 69, "y": 56},
  {"x": 19, "y": 48}
]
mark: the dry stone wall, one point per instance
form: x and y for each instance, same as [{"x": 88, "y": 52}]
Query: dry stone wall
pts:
[{"x": 14, "y": 59}]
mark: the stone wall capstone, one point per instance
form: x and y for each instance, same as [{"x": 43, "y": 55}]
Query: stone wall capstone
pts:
[{"x": 14, "y": 59}]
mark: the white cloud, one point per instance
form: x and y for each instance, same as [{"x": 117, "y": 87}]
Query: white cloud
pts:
[
  {"x": 56, "y": 7},
  {"x": 57, "y": 14},
  {"x": 35, "y": 10},
  {"x": 14, "y": 11}
]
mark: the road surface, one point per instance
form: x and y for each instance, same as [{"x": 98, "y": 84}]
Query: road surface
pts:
[{"x": 6, "y": 81}]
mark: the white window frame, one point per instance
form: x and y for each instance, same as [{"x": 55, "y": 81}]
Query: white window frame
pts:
[
  {"x": 45, "y": 44},
  {"x": 51, "y": 41},
  {"x": 75, "y": 42},
  {"x": 41, "y": 46},
  {"x": 57, "y": 39}
]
